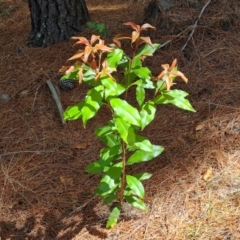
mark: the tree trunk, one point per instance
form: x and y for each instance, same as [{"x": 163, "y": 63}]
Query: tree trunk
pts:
[{"x": 55, "y": 21}]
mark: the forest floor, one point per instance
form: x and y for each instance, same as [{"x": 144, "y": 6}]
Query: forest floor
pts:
[{"x": 194, "y": 193}]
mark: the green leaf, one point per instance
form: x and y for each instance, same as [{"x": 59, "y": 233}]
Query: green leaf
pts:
[
  {"x": 143, "y": 72},
  {"x": 91, "y": 25},
  {"x": 127, "y": 112},
  {"x": 135, "y": 185},
  {"x": 107, "y": 156},
  {"x": 140, "y": 94},
  {"x": 108, "y": 135},
  {"x": 112, "y": 88},
  {"x": 143, "y": 143},
  {"x": 147, "y": 113},
  {"x": 110, "y": 198},
  {"x": 73, "y": 112},
  {"x": 113, "y": 217},
  {"x": 143, "y": 156},
  {"x": 110, "y": 180},
  {"x": 142, "y": 176},
  {"x": 92, "y": 103},
  {"x": 88, "y": 77},
  {"x": 114, "y": 57},
  {"x": 147, "y": 50},
  {"x": 136, "y": 63},
  {"x": 72, "y": 75},
  {"x": 135, "y": 202},
  {"x": 110, "y": 154},
  {"x": 100, "y": 27},
  {"x": 94, "y": 168},
  {"x": 125, "y": 130},
  {"x": 175, "y": 97}
]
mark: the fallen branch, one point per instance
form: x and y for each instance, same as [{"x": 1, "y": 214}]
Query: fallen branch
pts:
[
  {"x": 195, "y": 24},
  {"x": 56, "y": 98}
]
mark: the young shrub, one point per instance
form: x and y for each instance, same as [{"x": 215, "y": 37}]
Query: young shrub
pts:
[
  {"x": 96, "y": 65},
  {"x": 99, "y": 28}
]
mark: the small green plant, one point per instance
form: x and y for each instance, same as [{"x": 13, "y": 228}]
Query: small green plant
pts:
[
  {"x": 110, "y": 73},
  {"x": 5, "y": 11},
  {"x": 99, "y": 28}
]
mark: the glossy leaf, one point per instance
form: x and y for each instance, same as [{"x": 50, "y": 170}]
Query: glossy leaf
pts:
[
  {"x": 112, "y": 88},
  {"x": 147, "y": 113},
  {"x": 135, "y": 202},
  {"x": 113, "y": 217},
  {"x": 142, "y": 176},
  {"x": 140, "y": 94},
  {"x": 143, "y": 143},
  {"x": 135, "y": 185},
  {"x": 110, "y": 198},
  {"x": 125, "y": 130},
  {"x": 110, "y": 180},
  {"x": 147, "y": 50},
  {"x": 107, "y": 156},
  {"x": 136, "y": 63},
  {"x": 144, "y": 156},
  {"x": 73, "y": 112},
  {"x": 94, "y": 168},
  {"x": 108, "y": 135},
  {"x": 143, "y": 72},
  {"x": 92, "y": 103},
  {"x": 114, "y": 57},
  {"x": 88, "y": 77},
  {"x": 127, "y": 112},
  {"x": 175, "y": 97}
]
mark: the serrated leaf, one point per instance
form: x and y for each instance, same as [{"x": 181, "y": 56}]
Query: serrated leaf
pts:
[
  {"x": 143, "y": 72},
  {"x": 73, "y": 112},
  {"x": 125, "y": 130},
  {"x": 113, "y": 217},
  {"x": 135, "y": 185},
  {"x": 143, "y": 156},
  {"x": 143, "y": 143},
  {"x": 175, "y": 97},
  {"x": 147, "y": 113},
  {"x": 142, "y": 176},
  {"x": 127, "y": 112},
  {"x": 135, "y": 202},
  {"x": 140, "y": 94}
]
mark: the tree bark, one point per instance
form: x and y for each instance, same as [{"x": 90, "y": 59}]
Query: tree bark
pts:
[{"x": 55, "y": 21}]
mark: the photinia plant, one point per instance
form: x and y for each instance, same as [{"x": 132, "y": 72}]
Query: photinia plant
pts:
[{"x": 110, "y": 73}]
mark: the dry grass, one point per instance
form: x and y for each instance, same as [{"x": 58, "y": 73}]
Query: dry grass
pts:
[{"x": 195, "y": 189}]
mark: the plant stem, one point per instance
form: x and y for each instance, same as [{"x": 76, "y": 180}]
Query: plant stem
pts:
[
  {"x": 121, "y": 196},
  {"x": 128, "y": 77}
]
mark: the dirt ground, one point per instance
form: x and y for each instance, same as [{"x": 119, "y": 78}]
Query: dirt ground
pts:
[{"x": 194, "y": 193}]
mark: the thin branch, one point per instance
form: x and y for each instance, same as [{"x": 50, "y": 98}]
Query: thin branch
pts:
[{"x": 195, "y": 24}]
